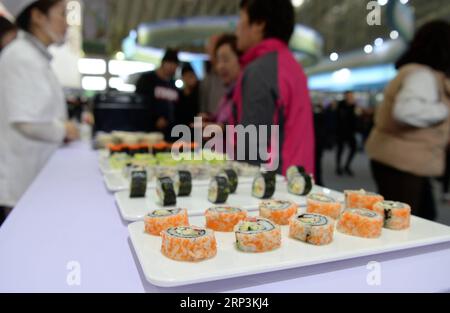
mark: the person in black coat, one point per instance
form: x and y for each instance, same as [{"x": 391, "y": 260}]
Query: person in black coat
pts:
[
  {"x": 346, "y": 132},
  {"x": 188, "y": 106}
]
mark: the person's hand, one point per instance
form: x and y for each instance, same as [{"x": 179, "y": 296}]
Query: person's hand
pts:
[
  {"x": 162, "y": 123},
  {"x": 72, "y": 132},
  {"x": 88, "y": 118}
]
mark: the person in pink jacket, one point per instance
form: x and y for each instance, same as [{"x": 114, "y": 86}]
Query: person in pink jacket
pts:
[{"x": 272, "y": 89}]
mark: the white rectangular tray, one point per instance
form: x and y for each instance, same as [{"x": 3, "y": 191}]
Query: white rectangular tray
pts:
[
  {"x": 136, "y": 209},
  {"x": 115, "y": 181},
  {"x": 231, "y": 263}
]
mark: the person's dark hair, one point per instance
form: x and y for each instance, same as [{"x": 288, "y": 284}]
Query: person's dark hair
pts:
[
  {"x": 23, "y": 21},
  {"x": 228, "y": 39},
  {"x": 5, "y": 27},
  {"x": 171, "y": 55},
  {"x": 430, "y": 46},
  {"x": 278, "y": 16},
  {"x": 187, "y": 68}
]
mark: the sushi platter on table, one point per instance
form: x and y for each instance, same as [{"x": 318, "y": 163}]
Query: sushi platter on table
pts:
[
  {"x": 117, "y": 167},
  {"x": 185, "y": 233},
  {"x": 230, "y": 262},
  {"x": 135, "y": 209},
  {"x": 115, "y": 181}
]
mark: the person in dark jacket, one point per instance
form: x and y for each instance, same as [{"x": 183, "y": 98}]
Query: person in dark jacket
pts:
[
  {"x": 346, "y": 132},
  {"x": 188, "y": 106},
  {"x": 159, "y": 90}
]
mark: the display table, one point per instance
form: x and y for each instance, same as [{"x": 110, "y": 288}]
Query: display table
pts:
[{"x": 67, "y": 225}]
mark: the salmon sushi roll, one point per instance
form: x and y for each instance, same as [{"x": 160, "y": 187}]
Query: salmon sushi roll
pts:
[
  {"x": 318, "y": 203},
  {"x": 188, "y": 244},
  {"x": 160, "y": 220},
  {"x": 361, "y": 199},
  {"x": 397, "y": 215},
  {"x": 257, "y": 235},
  {"x": 279, "y": 212},
  {"x": 314, "y": 229},
  {"x": 224, "y": 219},
  {"x": 361, "y": 223}
]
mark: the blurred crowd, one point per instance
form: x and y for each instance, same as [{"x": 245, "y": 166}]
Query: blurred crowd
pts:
[{"x": 252, "y": 79}]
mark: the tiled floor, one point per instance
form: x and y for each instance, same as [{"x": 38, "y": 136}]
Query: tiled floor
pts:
[{"x": 363, "y": 179}]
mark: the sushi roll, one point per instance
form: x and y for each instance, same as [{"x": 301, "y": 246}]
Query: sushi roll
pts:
[
  {"x": 295, "y": 171},
  {"x": 397, "y": 215},
  {"x": 257, "y": 235},
  {"x": 232, "y": 177},
  {"x": 183, "y": 184},
  {"x": 279, "y": 212},
  {"x": 134, "y": 149},
  {"x": 361, "y": 199},
  {"x": 360, "y": 223},
  {"x": 144, "y": 148},
  {"x": 161, "y": 147},
  {"x": 114, "y": 149},
  {"x": 318, "y": 203},
  {"x": 219, "y": 190},
  {"x": 188, "y": 244},
  {"x": 165, "y": 192},
  {"x": 160, "y": 220},
  {"x": 314, "y": 229},
  {"x": 138, "y": 186},
  {"x": 264, "y": 185},
  {"x": 301, "y": 184},
  {"x": 224, "y": 219}
]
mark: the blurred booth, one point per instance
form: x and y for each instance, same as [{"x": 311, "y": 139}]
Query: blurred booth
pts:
[{"x": 116, "y": 111}]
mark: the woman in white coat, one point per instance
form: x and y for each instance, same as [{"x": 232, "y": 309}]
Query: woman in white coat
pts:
[{"x": 33, "y": 114}]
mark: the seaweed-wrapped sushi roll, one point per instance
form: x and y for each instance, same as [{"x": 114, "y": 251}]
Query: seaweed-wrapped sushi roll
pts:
[
  {"x": 300, "y": 184},
  {"x": 138, "y": 186},
  {"x": 279, "y": 212},
  {"x": 360, "y": 223},
  {"x": 219, "y": 190},
  {"x": 183, "y": 183},
  {"x": 233, "y": 179},
  {"x": 165, "y": 192},
  {"x": 257, "y": 235},
  {"x": 188, "y": 244},
  {"x": 314, "y": 229},
  {"x": 397, "y": 215},
  {"x": 264, "y": 185},
  {"x": 160, "y": 220},
  {"x": 318, "y": 203},
  {"x": 361, "y": 199},
  {"x": 295, "y": 171},
  {"x": 224, "y": 219}
]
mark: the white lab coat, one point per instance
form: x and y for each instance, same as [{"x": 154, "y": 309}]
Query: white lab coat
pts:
[{"x": 29, "y": 93}]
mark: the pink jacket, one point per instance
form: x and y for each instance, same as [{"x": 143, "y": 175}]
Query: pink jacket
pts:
[{"x": 272, "y": 90}]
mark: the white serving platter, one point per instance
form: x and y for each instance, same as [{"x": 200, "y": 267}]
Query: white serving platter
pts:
[
  {"x": 115, "y": 181},
  {"x": 231, "y": 263},
  {"x": 136, "y": 209}
]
